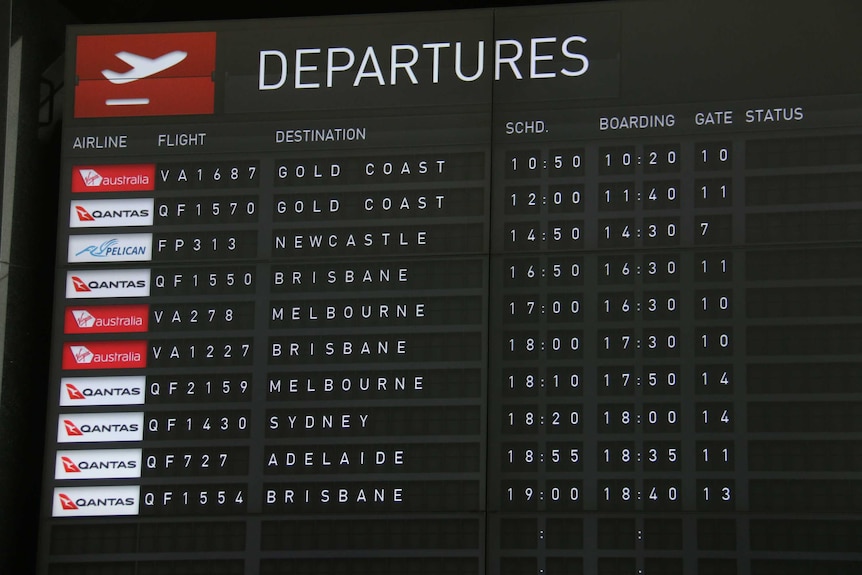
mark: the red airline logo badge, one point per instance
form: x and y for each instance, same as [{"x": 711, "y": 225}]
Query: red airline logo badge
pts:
[
  {"x": 66, "y": 502},
  {"x": 107, "y": 319},
  {"x": 84, "y": 215},
  {"x": 75, "y": 393},
  {"x": 70, "y": 466},
  {"x": 72, "y": 429},
  {"x": 80, "y": 285},
  {"x": 114, "y": 178},
  {"x": 105, "y": 355},
  {"x": 145, "y": 75}
]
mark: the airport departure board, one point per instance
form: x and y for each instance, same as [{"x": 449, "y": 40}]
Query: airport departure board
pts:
[{"x": 552, "y": 290}]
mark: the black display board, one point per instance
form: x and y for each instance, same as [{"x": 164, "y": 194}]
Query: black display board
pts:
[{"x": 528, "y": 291}]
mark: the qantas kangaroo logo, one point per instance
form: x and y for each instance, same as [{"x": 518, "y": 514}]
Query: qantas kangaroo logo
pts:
[
  {"x": 79, "y": 284},
  {"x": 66, "y": 502},
  {"x": 70, "y": 466},
  {"x": 72, "y": 429},
  {"x": 84, "y": 215},
  {"x": 74, "y": 392}
]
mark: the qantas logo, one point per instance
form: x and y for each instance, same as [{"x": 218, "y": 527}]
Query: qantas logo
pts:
[
  {"x": 145, "y": 74},
  {"x": 96, "y": 501},
  {"x": 72, "y": 430},
  {"x": 111, "y": 213},
  {"x": 74, "y": 393},
  {"x": 114, "y": 390},
  {"x": 66, "y": 502},
  {"x": 114, "y": 178},
  {"x": 100, "y": 427},
  {"x": 80, "y": 286},
  {"x": 98, "y": 464},
  {"x": 107, "y": 283},
  {"x": 84, "y": 215},
  {"x": 70, "y": 466}
]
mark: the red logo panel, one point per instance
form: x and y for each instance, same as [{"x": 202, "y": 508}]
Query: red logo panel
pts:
[
  {"x": 106, "y": 318},
  {"x": 145, "y": 75},
  {"x": 114, "y": 178},
  {"x": 105, "y": 355}
]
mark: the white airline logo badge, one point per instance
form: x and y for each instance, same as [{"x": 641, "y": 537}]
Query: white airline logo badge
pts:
[
  {"x": 111, "y": 213},
  {"x": 98, "y": 464},
  {"x": 110, "y": 248},
  {"x": 96, "y": 501},
  {"x": 84, "y": 284},
  {"x": 100, "y": 427},
  {"x": 86, "y": 391}
]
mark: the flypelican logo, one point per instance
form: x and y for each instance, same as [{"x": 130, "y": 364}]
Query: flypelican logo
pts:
[
  {"x": 145, "y": 74},
  {"x": 114, "y": 178},
  {"x": 114, "y": 390},
  {"x": 96, "y": 501},
  {"x": 95, "y": 248},
  {"x": 106, "y": 248},
  {"x": 107, "y": 283}
]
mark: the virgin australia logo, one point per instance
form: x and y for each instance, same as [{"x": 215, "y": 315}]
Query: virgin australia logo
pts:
[{"x": 91, "y": 178}]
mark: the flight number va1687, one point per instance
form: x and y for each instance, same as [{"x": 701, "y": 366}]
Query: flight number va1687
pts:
[{"x": 208, "y": 175}]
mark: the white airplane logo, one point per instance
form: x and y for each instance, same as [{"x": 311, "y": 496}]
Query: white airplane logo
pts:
[{"x": 142, "y": 67}]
